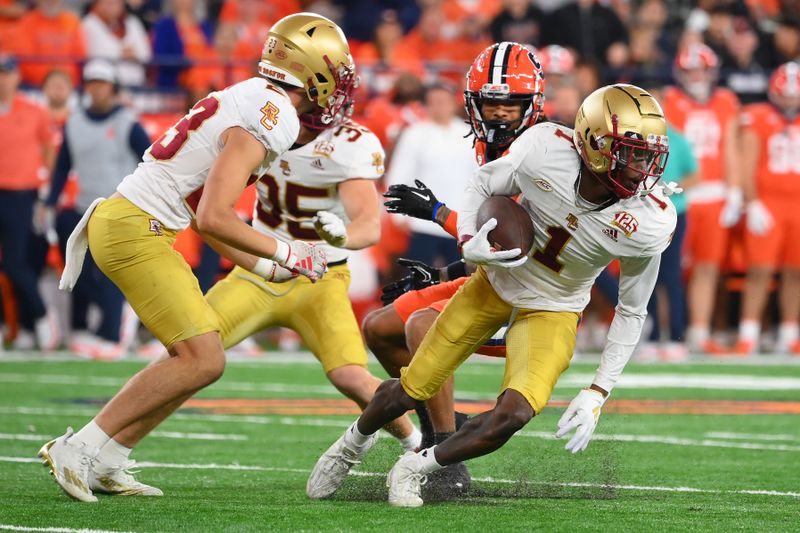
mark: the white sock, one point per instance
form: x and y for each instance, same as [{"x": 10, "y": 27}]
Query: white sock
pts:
[
  {"x": 354, "y": 437},
  {"x": 114, "y": 453},
  {"x": 92, "y": 436},
  {"x": 428, "y": 462},
  {"x": 412, "y": 442},
  {"x": 749, "y": 330}
]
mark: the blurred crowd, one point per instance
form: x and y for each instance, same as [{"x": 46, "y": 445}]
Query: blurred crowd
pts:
[{"x": 156, "y": 57}]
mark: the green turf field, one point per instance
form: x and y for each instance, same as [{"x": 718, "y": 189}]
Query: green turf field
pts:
[{"x": 695, "y": 447}]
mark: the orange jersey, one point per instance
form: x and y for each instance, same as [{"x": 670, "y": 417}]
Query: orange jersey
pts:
[
  {"x": 704, "y": 125},
  {"x": 44, "y": 43},
  {"x": 778, "y": 169},
  {"x": 24, "y": 130}
]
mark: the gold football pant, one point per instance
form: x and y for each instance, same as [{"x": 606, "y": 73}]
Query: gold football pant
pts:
[
  {"x": 320, "y": 313},
  {"x": 539, "y": 344},
  {"x": 136, "y": 253}
]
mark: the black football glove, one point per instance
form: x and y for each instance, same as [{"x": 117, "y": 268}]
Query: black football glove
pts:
[
  {"x": 417, "y": 202},
  {"x": 420, "y": 276}
]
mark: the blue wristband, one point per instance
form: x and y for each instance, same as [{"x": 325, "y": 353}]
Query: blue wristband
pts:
[{"x": 436, "y": 207}]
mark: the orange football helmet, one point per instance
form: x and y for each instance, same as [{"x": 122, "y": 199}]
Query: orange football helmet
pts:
[
  {"x": 504, "y": 72},
  {"x": 784, "y": 89},
  {"x": 696, "y": 70}
]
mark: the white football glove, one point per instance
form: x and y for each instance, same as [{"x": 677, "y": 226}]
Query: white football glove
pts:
[
  {"x": 671, "y": 188},
  {"x": 44, "y": 221},
  {"x": 759, "y": 219},
  {"x": 732, "y": 211},
  {"x": 302, "y": 258},
  {"x": 331, "y": 228},
  {"x": 582, "y": 413},
  {"x": 478, "y": 250}
]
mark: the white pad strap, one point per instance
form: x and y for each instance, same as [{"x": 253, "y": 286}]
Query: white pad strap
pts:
[{"x": 77, "y": 244}]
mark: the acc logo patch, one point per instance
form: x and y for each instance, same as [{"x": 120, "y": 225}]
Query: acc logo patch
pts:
[
  {"x": 280, "y": 54},
  {"x": 544, "y": 185},
  {"x": 626, "y": 222}
]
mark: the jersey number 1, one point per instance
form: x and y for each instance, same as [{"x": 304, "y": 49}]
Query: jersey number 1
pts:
[
  {"x": 174, "y": 138},
  {"x": 548, "y": 256}
]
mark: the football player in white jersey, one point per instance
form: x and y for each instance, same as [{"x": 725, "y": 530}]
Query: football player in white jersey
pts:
[
  {"x": 194, "y": 174},
  {"x": 592, "y": 197},
  {"x": 321, "y": 190}
]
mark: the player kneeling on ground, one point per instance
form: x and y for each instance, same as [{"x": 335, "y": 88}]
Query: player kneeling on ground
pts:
[{"x": 592, "y": 198}]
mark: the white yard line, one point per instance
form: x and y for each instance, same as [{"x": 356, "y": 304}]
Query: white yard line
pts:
[
  {"x": 708, "y": 442},
  {"x": 750, "y": 436},
  {"x": 157, "y": 434},
  {"x": 631, "y": 380},
  {"x": 641, "y": 488},
  {"x": 675, "y": 441},
  {"x": 9, "y": 527}
]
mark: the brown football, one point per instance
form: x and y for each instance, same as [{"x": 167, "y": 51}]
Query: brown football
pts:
[{"x": 514, "y": 225}]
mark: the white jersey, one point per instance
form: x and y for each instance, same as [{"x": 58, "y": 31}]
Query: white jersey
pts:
[
  {"x": 573, "y": 243},
  {"x": 305, "y": 180},
  {"x": 168, "y": 182}
]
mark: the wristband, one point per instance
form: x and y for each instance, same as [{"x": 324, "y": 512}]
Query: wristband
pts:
[
  {"x": 264, "y": 267},
  {"x": 436, "y": 207},
  {"x": 456, "y": 270},
  {"x": 451, "y": 224},
  {"x": 282, "y": 253}
]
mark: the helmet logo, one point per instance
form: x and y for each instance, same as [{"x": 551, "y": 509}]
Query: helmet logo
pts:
[{"x": 280, "y": 54}]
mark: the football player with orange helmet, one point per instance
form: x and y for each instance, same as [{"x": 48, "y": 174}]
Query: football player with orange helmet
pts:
[
  {"x": 770, "y": 162},
  {"x": 504, "y": 96},
  {"x": 706, "y": 116}
]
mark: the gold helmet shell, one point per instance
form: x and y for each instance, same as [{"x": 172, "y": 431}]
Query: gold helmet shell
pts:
[
  {"x": 622, "y": 126},
  {"x": 310, "y": 51}
]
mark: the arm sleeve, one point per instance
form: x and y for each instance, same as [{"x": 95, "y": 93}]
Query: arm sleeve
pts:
[
  {"x": 497, "y": 178},
  {"x": 636, "y": 283},
  {"x": 138, "y": 139},
  {"x": 60, "y": 173}
]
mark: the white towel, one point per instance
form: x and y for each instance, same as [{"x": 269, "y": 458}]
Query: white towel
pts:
[{"x": 77, "y": 244}]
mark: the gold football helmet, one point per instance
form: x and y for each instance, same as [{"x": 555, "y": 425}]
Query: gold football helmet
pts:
[
  {"x": 308, "y": 50},
  {"x": 621, "y": 127}
]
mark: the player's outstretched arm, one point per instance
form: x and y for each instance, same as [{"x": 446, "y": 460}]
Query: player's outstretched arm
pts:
[
  {"x": 361, "y": 203},
  {"x": 636, "y": 283},
  {"x": 420, "y": 202},
  {"x": 217, "y": 218}
]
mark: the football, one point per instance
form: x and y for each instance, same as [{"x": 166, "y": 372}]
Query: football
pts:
[{"x": 514, "y": 225}]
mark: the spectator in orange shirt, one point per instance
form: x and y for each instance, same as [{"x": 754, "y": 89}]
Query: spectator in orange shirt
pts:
[
  {"x": 10, "y": 13},
  {"x": 27, "y": 146},
  {"x": 49, "y": 37},
  {"x": 380, "y": 61}
]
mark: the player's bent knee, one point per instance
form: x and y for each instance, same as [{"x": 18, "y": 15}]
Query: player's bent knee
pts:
[
  {"x": 204, "y": 355},
  {"x": 380, "y": 325}
]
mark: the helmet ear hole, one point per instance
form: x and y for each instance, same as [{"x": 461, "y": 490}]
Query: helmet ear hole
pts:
[{"x": 592, "y": 141}]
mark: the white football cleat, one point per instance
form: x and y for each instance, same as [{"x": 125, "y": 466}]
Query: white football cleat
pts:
[
  {"x": 119, "y": 481},
  {"x": 69, "y": 463},
  {"x": 334, "y": 465},
  {"x": 405, "y": 481}
]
